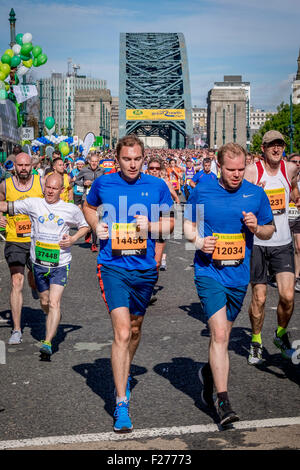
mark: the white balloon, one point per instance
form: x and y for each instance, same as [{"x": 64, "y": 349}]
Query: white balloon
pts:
[
  {"x": 22, "y": 70},
  {"x": 27, "y": 37},
  {"x": 16, "y": 49}
]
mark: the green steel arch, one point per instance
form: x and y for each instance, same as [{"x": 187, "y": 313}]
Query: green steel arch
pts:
[{"x": 154, "y": 76}]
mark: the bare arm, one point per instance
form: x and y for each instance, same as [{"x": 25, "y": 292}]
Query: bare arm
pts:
[
  {"x": 250, "y": 173},
  {"x": 3, "y": 205},
  {"x": 90, "y": 214},
  {"x": 293, "y": 177}
]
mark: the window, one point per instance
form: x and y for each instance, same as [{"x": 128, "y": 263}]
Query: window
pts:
[{"x": 82, "y": 110}]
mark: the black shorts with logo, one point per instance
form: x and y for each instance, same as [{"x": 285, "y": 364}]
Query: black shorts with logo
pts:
[
  {"x": 272, "y": 260},
  {"x": 295, "y": 226},
  {"x": 17, "y": 254}
]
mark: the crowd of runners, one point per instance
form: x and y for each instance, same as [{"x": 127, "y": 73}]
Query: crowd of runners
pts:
[{"x": 240, "y": 213}]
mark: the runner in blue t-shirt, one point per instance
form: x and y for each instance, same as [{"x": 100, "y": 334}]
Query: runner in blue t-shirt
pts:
[
  {"x": 136, "y": 210},
  {"x": 204, "y": 175},
  {"x": 221, "y": 219}
]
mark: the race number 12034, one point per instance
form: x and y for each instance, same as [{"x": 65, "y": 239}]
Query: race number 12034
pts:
[{"x": 171, "y": 459}]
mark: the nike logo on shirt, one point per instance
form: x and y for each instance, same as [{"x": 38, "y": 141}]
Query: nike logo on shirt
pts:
[{"x": 248, "y": 195}]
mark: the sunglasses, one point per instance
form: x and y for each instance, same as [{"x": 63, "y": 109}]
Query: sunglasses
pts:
[
  {"x": 154, "y": 168},
  {"x": 295, "y": 161}
]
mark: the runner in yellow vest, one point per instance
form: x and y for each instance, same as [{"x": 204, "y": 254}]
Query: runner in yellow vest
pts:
[
  {"x": 58, "y": 167},
  {"x": 18, "y": 230}
]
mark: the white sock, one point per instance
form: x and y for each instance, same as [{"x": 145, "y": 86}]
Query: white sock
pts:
[{"x": 118, "y": 399}]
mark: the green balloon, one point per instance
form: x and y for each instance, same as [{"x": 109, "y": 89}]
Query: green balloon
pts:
[
  {"x": 15, "y": 61},
  {"x": 6, "y": 59},
  {"x": 19, "y": 39},
  {"x": 26, "y": 57},
  {"x": 26, "y": 48},
  {"x": 49, "y": 122},
  {"x": 42, "y": 59},
  {"x": 65, "y": 149},
  {"x": 35, "y": 62},
  {"x": 61, "y": 144},
  {"x": 2, "y": 76},
  {"x": 36, "y": 51}
]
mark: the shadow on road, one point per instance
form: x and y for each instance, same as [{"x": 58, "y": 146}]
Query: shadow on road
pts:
[
  {"x": 182, "y": 373},
  {"x": 99, "y": 378}
]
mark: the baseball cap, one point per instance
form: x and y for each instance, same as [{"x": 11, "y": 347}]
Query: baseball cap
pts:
[
  {"x": 8, "y": 165},
  {"x": 270, "y": 136}
]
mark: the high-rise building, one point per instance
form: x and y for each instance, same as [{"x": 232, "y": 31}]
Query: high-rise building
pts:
[
  {"x": 57, "y": 96},
  {"x": 296, "y": 84},
  {"x": 228, "y": 112}
]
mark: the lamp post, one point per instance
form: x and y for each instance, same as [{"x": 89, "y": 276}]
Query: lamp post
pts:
[
  {"x": 69, "y": 129},
  {"x": 291, "y": 126},
  {"x": 12, "y": 21},
  {"x": 224, "y": 131},
  {"x": 234, "y": 122}
]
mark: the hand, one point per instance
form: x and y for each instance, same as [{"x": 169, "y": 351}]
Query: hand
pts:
[
  {"x": 3, "y": 221},
  {"x": 297, "y": 202},
  {"x": 66, "y": 241},
  {"x": 250, "y": 221},
  {"x": 142, "y": 223},
  {"x": 262, "y": 184},
  {"x": 87, "y": 183},
  {"x": 102, "y": 231},
  {"x": 209, "y": 244}
]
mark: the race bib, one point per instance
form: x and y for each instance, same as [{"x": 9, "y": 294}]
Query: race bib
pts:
[
  {"x": 188, "y": 181},
  {"x": 79, "y": 189},
  {"x": 23, "y": 226},
  {"x": 293, "y": 211},
  {"x": 126, "y": 241},
  {"x": 230, "y": 249},
  {"x": 277, "y": 200},
  {"x": 47, "y": 254}
]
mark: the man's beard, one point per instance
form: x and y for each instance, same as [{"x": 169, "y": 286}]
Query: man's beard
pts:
[{"x": 23, "y": 176}]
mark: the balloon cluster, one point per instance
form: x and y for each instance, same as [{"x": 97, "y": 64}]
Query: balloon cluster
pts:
[{"x": 22, "y": 56}]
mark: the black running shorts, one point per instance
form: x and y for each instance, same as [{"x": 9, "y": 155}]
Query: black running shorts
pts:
[
  {"x": 295, "y": 226},
  {"x": 17, "y": 254},
  {"x": 272, "y": 260}
]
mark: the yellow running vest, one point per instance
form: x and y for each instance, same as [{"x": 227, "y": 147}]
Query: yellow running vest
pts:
[{"x": 18, "y": 228}]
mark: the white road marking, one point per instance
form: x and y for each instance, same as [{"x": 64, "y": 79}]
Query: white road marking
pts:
[{"x": 146, "y": 433}]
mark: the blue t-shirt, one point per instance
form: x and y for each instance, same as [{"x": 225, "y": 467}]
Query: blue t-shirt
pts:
[
  {"x": 121, "y": 201},
  {"x": 203, "y": 177},
  {"x": 219, "y": 211}
]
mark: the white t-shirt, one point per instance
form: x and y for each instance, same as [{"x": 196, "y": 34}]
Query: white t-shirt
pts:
[{"x": 49, "y": 222}]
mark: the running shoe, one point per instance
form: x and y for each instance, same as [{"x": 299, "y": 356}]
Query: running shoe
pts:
[
  {"x": 122, "y": 420},
  {"x": 297, "y": 286},
  {"x": 35, "y": 294},
  {"x": 94, "y": 247},
  {"x": 16, "y": 337},
  {"x": 128, "y": 388},
  {"x": 283, "y": 343},
  {"x": 88, "y": 237},
  {"x": 207, "y": 382},
  {"x": 255, "y": 354},
  {"x": 46, "y": 348},
  {"x": 163, "y": 266},
  {"x": 226, "y": 413},
  {"x": 152, "y": 300}
]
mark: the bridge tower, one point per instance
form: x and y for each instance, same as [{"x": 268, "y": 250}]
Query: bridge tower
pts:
[{"x": 154, "y": 88}]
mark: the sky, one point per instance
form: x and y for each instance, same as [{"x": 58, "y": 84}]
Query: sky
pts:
[{"x": 258, "y": 39}]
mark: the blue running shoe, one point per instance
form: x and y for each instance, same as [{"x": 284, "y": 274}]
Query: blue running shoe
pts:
[
  {"x": 46, "y": 348},
  {"x": 122, "y": 420}
]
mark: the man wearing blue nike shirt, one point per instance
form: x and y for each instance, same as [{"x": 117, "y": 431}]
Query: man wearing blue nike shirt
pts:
[
  {"x": 221, "y": 219},
  {"x": 136, "y": 210}
]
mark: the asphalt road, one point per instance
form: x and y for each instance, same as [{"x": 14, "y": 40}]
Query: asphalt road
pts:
[{"x": 73, "y": 394}]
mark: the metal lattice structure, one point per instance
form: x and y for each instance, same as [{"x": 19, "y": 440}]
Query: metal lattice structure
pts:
[{"x": 154, "y": 76}]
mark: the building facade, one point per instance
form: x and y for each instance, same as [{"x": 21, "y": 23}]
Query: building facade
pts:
[
  {"x": 114, "y": 121},
  {"x": 93, "y": 109},
  {"x": 57, "y": 97},
  {"x": 199, "y": 117},
  {"x": 228, "y": 113},
  {"x": 296, "y": 84},
  {"x": 258, "y": 117}
]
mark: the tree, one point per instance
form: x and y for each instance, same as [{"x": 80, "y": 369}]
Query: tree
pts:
[{"x": 280, "y": 122}]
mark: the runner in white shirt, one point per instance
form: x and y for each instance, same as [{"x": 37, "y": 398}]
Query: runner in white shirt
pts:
[
  {"x": 50, "y": 250},
  {"x": 276, "y": 256}
]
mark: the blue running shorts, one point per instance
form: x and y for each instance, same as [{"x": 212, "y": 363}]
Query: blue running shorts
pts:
[
  {"x": 123, "y": 288},
  {"x": 214, "y": 296},
  {"x": 44, "y": 276}
]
